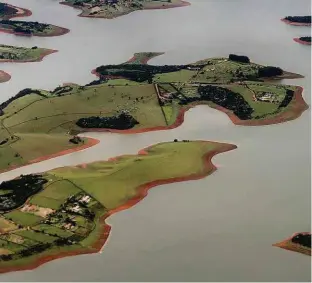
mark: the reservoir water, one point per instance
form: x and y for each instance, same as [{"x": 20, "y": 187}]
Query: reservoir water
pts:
[{"x": 220, "y": 228}]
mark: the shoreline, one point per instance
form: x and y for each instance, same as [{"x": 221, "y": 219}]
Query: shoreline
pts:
[
  {"x": 142, "y": 192},
  {"x": 89, "y": 143},
  {"x": 182, "y": 3},
  {"x": 4, "y": 77},
  {"x": 296, "y": 23},
  {"x": 24, "y": 13},
  {"x": 298, "y": 40},
  {"x": 57, "y": 31},
  {"x": 287, "y": 244},
  {"x": 39, "y": 59}
]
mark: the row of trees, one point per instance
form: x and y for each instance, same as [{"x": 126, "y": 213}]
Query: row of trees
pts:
[{"x": 122, "y": 121}]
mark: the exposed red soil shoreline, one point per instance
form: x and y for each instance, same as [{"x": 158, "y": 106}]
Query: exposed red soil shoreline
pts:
[
  {"x": 89, "y": 143},
  {"x": 142, "y": 192},
  {"x": 182, "y": 4},
  {"x": 291, "y": 246},
  {"x": 42, "y": 55},
  {"x": 297, "y": 39},
  {"x": 26, "y": 13},
  {"x": 4, "y": 77},
  {"x": 56, "y": 32},
  {"x": 295, "y": 23}
]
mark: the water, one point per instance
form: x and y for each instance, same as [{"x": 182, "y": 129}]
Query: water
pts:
[{"x": 220, "y": 228}]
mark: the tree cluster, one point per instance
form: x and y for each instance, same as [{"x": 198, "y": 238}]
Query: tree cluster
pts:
[
  {"x": 305, "y": 38},
  {"x": 299, "y": 19},
  {"x": 15, "y": 192},
  {"x": 122, "y": 121},
  {"x": 302, "y": 239},
  {"x": 227, "y": 99},
  {"x": 6, "y": 10},
  {"x": 239, "y": 58},
  {"x": 269, "y": 71}
]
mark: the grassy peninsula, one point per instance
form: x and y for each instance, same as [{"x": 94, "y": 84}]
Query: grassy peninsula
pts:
[
  {"x": 111, "y": 9},
  {"x": 134, "y": 97},
  {"x": 8, "y": 11},
  {"x": 23, "y": 28},
  {"x": 299, "y": 242},
  {"x": 62, "y": 212},
  {"x": 22, "y": 54}
]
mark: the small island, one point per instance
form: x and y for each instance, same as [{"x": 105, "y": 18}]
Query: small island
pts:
[
  {"x": 110, "y": 9},
  {"x": 4, "y": 77},
  {"x": 8, "y": 11},
  {"x": 134, "y": 97},
  {"x": 297, "y": 20},
  {"x": 23, "y": 28},
  {"x": 305, "y": 40},
  {"x": 299, "y": 242},
  {"x": 22, "y": 54},
  {"x": 61, "y": 213}
]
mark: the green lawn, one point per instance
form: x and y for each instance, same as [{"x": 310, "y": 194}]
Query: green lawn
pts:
[{"x": 23, "y": 218}]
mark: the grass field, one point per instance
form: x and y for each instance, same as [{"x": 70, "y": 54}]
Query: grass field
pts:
[{"x": 21, "y": 218}]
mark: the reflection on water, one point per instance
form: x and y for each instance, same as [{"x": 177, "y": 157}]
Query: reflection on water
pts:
[{"x": 220, "y": 228}]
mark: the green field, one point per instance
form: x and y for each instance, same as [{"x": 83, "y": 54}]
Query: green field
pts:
[
  {"x": 87, "y": 193},
  {"x": 23, "y": 218}
]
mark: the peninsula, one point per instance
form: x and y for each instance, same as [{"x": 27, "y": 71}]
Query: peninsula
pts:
[
  {"x": 110, "y": 9},
  {"x": 297, "y": 20},
  {"x": 8, "y": 11},
  {"x": 299, "y": 242},
  {"x": 134, "y": 97},
  {"x": 62, "y": 213},
  {"x": 23, "y": 28},
  {"x": 22, "y": 54},
  {"x": 305, "y": 40}
]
